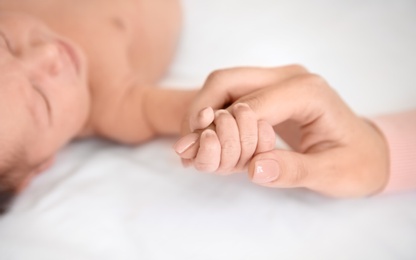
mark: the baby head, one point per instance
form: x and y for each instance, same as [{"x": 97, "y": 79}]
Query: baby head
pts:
[{"x": 44, "y": 99}]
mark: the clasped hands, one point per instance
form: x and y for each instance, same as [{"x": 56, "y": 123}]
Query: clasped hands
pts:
[{"x": 232, "y": 125}]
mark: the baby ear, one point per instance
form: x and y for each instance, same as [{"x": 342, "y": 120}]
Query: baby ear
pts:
[{"x": 36, "y": 171}]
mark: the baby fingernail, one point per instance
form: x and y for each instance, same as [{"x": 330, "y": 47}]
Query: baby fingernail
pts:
[
  {"x": 206, "y": 112},
  {"x": 208, "y": 133},
  {"x": 185, "y": 142},
  {"x": 265, "y": 171},
  {"x": 219, "y": 112},
  {"x": 238, "y": 105}
]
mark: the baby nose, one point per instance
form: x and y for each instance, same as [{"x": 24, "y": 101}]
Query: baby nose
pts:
[{"x": 44, "y": 58}]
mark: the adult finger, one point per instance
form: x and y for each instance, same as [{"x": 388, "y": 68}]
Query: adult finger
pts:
[
  {"x": 223, "y": 87},
  {"x": 322, "y": 172},
  {"x": 306, "y": 99}
]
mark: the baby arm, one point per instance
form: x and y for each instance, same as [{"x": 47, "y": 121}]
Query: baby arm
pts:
[
  {"x": 228, "y": 142},
  {"x": 164, "y": 109},
  {"x": 141, "y": 113}
]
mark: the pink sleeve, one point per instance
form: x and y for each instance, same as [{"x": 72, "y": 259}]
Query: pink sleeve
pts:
[{"x": 400, "y": 133}]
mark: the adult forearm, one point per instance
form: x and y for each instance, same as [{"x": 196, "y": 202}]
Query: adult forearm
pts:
[{"x": 399, "y": 130}]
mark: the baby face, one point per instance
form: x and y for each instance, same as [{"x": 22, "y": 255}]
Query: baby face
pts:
[{"x": 44, "y": 100}]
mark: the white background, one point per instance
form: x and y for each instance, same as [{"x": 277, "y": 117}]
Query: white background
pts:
[{"x": 104, "y": 201}]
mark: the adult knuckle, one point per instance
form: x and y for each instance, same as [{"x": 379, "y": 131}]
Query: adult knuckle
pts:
[
  {"x": 315, "y": 80},
  {"x": 298, "y": 67},
  {"x": 217, "y": 76},
  {"x": 313, "y": 84}
]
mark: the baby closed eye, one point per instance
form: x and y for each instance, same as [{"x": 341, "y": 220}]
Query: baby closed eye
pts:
[
  {"x": 5, "y": 42},
  {"x": 45, "y": 100}
]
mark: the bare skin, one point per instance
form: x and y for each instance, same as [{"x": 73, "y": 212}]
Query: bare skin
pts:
[
  {"x": 86, "y": 68},
  {"x": 90, "y": 68},
  {"x": 334, "y": 151}
]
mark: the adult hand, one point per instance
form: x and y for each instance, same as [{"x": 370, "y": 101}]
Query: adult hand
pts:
[{"x": 334, "y": 151}]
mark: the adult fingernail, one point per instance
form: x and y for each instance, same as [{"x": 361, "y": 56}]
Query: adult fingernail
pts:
[
  {"x": 265, "y": 171},
  {"x": 185, "y": 142}
]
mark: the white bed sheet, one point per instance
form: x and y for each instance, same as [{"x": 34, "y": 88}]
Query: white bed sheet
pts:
[{"x": 104, "y": 201}]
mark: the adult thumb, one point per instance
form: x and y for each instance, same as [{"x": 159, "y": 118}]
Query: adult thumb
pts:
[{"x": 281, "y": 169}]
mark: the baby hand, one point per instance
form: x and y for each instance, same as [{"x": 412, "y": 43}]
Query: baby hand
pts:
[{"x": 228, "y": 140}]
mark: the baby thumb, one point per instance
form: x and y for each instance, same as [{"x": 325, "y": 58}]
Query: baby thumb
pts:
[
  {"x": 280, "y": 169},
  {"x": 202, "y": 119}
]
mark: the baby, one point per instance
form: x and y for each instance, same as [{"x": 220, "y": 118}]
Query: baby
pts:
[
  {"x": 77, "y": 69},
  {"x": 74, "y": 70}
]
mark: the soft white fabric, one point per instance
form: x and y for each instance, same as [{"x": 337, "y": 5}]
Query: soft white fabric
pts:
[{"x": 104, "y": 201}]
